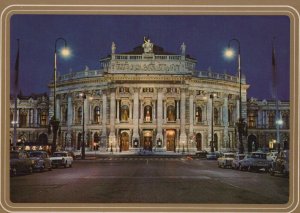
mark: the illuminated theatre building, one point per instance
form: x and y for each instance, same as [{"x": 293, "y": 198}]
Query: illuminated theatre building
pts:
[{"x": 149, "y": 99}]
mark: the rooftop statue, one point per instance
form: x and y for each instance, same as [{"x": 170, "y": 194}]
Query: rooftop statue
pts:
[
  {"x": 148, "y": 46},
  {"x": 183, "y": 47},
  {"x": 113, "y": 48}
]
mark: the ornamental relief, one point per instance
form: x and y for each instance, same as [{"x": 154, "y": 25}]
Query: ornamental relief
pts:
[{"x": 156, "y": 66}]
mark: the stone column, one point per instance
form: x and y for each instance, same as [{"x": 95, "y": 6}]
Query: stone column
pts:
[
  {"x": 192, "y": 147},
  {"x": 112, "y": 135},
  {"x": 237, "y": 110},
  {"x": 159, "y": 134},
  {"x": 136, "y": 115},
  {"x": 225, "y": 122},
  {"x": 177, "y": 110},
  {"x": 104, "y": 119},
  {"x": 209, "y": 112},
  {"x": 35, "y": 117},
  {"x": 183, "y": 137},
  {"x": 118, "y": 110},
  {"x": 69, "y": 122}
]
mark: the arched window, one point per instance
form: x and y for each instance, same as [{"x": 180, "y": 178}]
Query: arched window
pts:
[
  {"x": 229, "y": 117},
  {"x": 66, "y": 115},
  {"x": 286, "y": 120},
  {"x": 79, "y": 114},
  {"x": 23, "y": 118},
  {"x": 124, "y": 113},
  {"x": 171, "y": 114},
  {"x": 271, "y": 120},
  {"x": 44, "y": 118},
  {"x": 252, "y": 119},
  {"x": 216, "y": 116},
  {"x": 97, "y": 114},
  {"x": 198, "y": 114},
  {"x": 148, "y": 113}
]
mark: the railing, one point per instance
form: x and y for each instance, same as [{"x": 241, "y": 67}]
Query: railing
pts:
[
  {"x": 81, "y": 74},
  {"x": 221, "y": 76}
]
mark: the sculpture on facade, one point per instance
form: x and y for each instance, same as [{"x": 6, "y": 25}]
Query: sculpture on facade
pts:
[
  {"x": 182, "y": 48},
  {"x": 113, "y": 48},
  {"x": 148, "y": 46}
]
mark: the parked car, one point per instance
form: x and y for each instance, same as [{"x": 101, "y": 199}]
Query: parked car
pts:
[
  {"x": 41, "y": 160},
  {"x": 76, "y": 154},
  {"x": 211, "y": 156},
  {"x": 225, "y": 160},
  {"x": 255, "y": 161},
  {"x": 201, "y": 154},
  {"x": 281, "y": 164},
  {"x": 61, "y": 158},
  {"x": 271, "y": 156},
  {"x": 20, "y": 163},
  {"x": 236, "y": 161}
]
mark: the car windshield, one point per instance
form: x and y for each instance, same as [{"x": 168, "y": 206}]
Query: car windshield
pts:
[
  {"x": 259, "y": 155},
  {"x": 59, "y": 154},
  {"x": 14, "y": 155},
  {"x": 35, "y": 154},
  {"x": 229, "y": 155}
]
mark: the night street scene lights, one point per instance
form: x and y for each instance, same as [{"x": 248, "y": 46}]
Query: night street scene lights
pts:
[
  {"x": 241, "y": 125},
  {"x": 65, "y": 52},
  {"x": 83, "y": 96},
  {"x": 212, "y": 142}
]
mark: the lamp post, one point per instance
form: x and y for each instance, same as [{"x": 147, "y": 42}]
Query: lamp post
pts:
[
  {"x": 83, "y": 143},
  {"x": 229, "y": 53},
  {"x": 54, "y": 121},
  {"x": 212, "y": 149}
]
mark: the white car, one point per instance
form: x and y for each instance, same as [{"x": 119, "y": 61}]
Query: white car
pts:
[
  {"x": 61, "y": 159},
  {"x": 225, "y": 160},
  {"x": 271, "y": 156}
]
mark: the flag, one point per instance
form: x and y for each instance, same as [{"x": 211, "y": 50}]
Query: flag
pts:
[{"x": 17, "y": 66}]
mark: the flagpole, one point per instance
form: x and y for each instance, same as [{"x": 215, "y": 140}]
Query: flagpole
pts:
[
  {"x": 275, "y": 97},
  {"x": 16, "y": 84}
]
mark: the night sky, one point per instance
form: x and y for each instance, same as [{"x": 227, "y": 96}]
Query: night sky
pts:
[{"x": 90, "y": 38}]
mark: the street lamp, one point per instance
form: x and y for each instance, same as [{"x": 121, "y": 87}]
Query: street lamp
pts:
[
  {"x": 212, "y": 96},
  {"x": 83, "y": 143},
  {"x": 54, "y": 121},
  {"x": 230, "y": 53}
]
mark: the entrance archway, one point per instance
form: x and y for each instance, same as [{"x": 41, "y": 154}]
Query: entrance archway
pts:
[
  {"x": 199, "y": 141},
  {"x": 216, "y": 142},
  {"x": 43, "y": 139},
  {"x": 147, "y": 140},
  {"x": 252, "y": 143},
  {"x": 171, "y": 140},
  {"x": 79, "y": 138},
  {"x": 124, "y": 141}
]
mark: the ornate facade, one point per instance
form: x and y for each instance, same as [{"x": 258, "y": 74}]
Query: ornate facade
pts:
[{"x": 150, "y": 99}]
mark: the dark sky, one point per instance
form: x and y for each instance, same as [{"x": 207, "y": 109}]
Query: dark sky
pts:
[{"x": 90, "y": 38}]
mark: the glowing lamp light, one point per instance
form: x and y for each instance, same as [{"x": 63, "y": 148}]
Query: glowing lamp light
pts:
[
  {"x": 229, "y": 53},
  {"x": 279, "y": 122},
  {"x": 65, "y": 52}
]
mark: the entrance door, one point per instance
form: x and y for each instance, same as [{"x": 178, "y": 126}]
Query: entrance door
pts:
[
  {"x": 124, "y": 141},
  {"x": 199, "y": 141},
  {"x": 170, "y": 140},
  {"x": 148, "y": 140}
]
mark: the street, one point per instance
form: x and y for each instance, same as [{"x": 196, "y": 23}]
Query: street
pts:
[{"x": 145, "y": 179}]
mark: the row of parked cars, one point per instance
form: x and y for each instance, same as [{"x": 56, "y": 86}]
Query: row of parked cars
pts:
[
  {"x": 272, "y": 162},
  {"x": 28, "y": 162}
]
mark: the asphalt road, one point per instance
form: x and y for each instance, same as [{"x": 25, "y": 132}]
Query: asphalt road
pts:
[{"x": 149, "y": 180}]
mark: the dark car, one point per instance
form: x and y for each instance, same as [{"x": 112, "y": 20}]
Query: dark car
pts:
[
  {"x": 41, "y": 160},
  {"x": 281, "y": 164},
  {"x": 201, "y": 154},
  {"x": 20, "y": 163}
]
